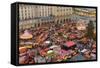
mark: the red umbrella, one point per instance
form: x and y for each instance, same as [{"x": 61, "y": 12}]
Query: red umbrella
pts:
[{"x": 70, "y": 43}]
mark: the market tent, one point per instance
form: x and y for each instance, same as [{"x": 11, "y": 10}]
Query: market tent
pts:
[
  {"x": 72, "y": 36},
  {"x": 22, "y": 49},
  {"x": 70, "y": 43},
  {"x": 50, "y": 51},
  {"x": 26, "y": 35},
  {"x": 47, "y": 42},
  {"x": 54, "y": 46}
]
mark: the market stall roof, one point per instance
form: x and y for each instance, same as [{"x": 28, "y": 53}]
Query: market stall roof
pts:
[
  {"x": 84, "y": 50},
  {"x": 50, "y": 51},
  {"x": 26, "y": 35},
  {"x": 70, "y": 43},
  {"x": 47, "y": 42},
  {"x": 54, "y": 46},
  {"x": 63, "y": 52},
  {"x": 22, "y": 49},
  {"x": 22, "y": 59},
  {"x": 72, "y": 36},
  {"x": 28, "y": 43},
  {"x": 25, "y": 43}
]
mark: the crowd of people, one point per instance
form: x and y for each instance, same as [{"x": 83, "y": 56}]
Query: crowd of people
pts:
[{"x": 56, "y": 42}]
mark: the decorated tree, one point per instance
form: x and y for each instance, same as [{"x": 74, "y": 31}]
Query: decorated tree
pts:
[{"x": 90, "y": 29}]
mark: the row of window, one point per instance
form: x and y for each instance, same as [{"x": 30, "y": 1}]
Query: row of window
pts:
[
  {"x": 86, "y": 14},
  {"x": 26, "y": 12}
]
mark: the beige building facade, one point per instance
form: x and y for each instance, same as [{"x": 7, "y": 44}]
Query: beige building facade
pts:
[
  {"x": 32, "y": 15},
  {"x": 35, "y": 15}
]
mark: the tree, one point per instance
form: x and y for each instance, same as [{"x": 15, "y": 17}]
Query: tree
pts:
[{"x": 90, "y": 29}]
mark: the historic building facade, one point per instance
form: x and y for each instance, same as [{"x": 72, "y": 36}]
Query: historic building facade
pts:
[{"x": 34, "y": 15}]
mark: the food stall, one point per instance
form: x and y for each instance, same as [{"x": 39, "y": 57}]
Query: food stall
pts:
[
  {"x": 69, "y": 45},
  {"x": 26, "y": 39}
]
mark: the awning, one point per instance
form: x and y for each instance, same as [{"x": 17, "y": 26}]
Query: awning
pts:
[
  {"x": 70, "y": 43},
  {"x": 72, "y": 36},
  {"x": 22, "y": 49},
  {"x": 26, "y": 35}
]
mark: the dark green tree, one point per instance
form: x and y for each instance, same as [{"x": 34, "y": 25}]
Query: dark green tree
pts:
[{"x": 90, "y": 29}]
